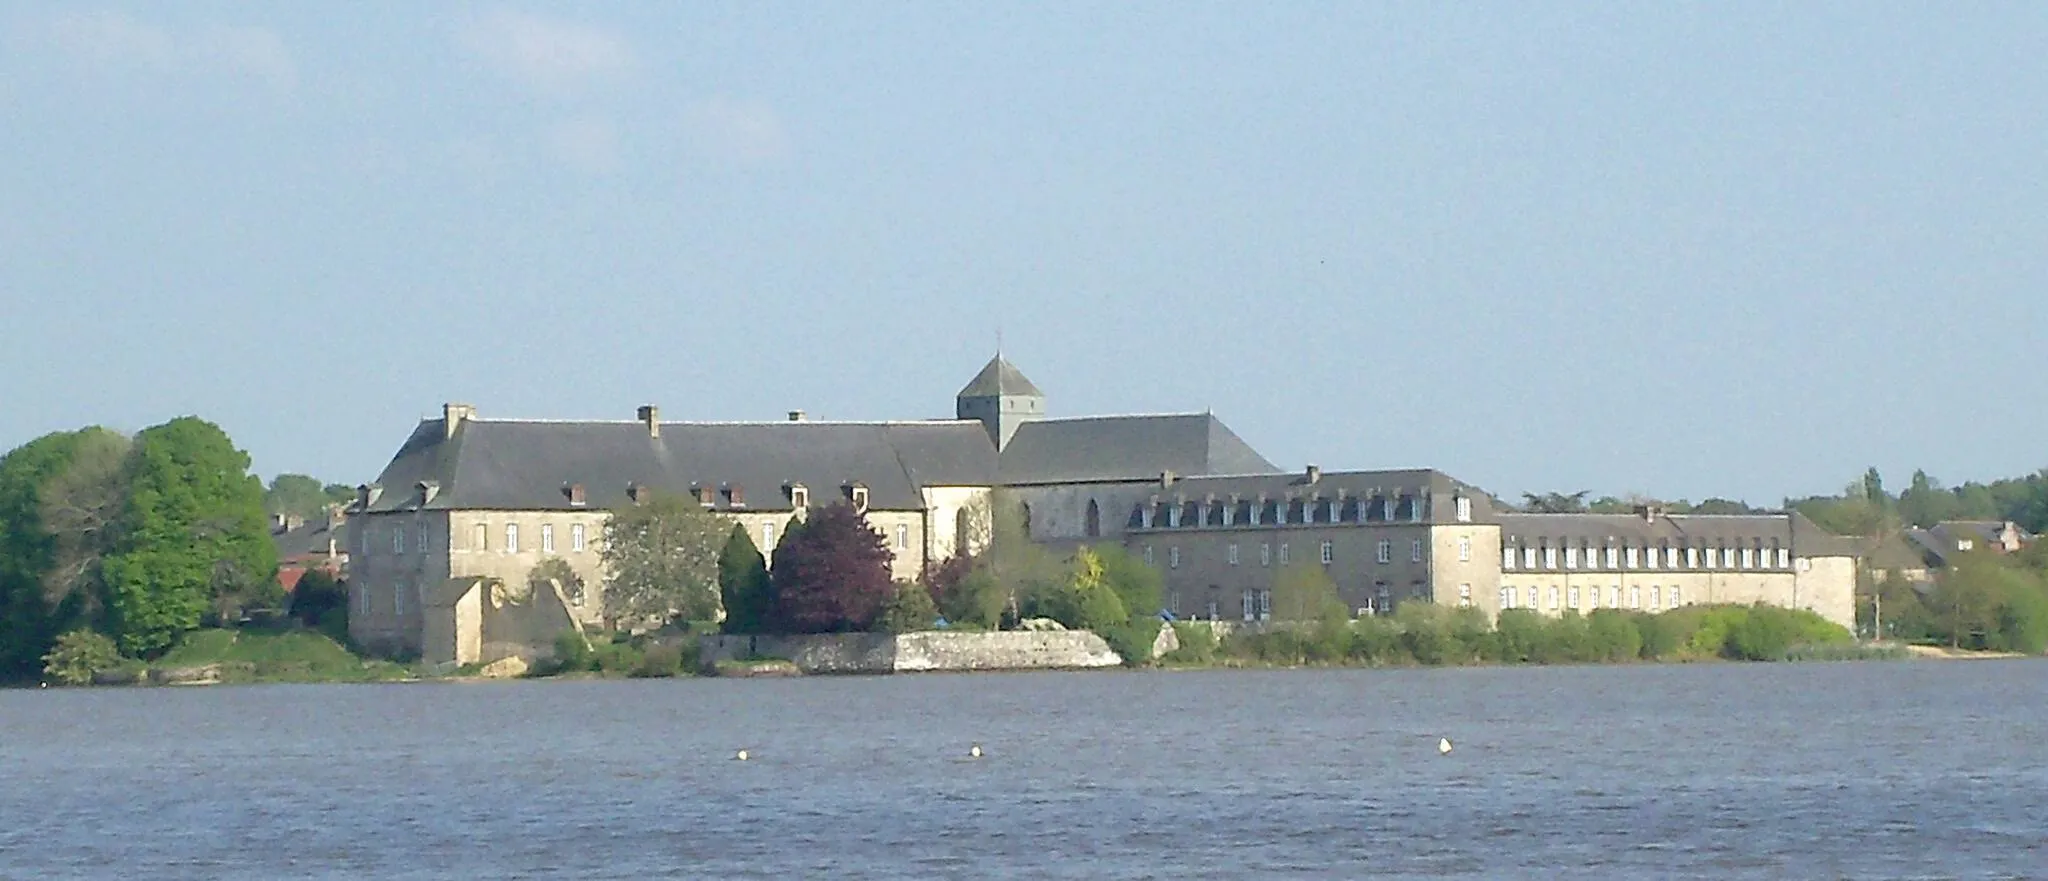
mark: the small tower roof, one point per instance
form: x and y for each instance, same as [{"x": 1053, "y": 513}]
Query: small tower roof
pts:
[{"x": 999, "y": 378}]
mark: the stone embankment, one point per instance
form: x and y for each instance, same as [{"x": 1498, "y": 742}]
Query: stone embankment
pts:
[{"x": 916, "y": 652}]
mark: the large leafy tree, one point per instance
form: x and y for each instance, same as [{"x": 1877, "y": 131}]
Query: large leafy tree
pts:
[
  {"x": 1305, "y": 593},
  {"x": 1142, "y": 588},
  {"x": 832, "y": 575},
  {"x": 191, "y": 537},
  {"x": 301, "y": 496},
  {"x": 58, "y": 497},
  {"x": 743, "y": 584},
  {"x": 661, "y": 561}
]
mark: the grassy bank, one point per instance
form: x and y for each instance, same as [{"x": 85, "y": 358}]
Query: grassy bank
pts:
[
  {"x": 252, "y": 655},
  {"x": 1423, "y": 635}
]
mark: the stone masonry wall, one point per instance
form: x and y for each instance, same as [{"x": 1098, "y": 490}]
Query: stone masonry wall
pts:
[{"x": 919, "y": 652}]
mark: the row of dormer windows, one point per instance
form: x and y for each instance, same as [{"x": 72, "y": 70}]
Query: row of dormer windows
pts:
[
  {"x": 1753, "y": 554},
  {"x": 1285, "y": 512}
]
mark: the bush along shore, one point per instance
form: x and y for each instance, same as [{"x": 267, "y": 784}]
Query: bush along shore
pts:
[
  {"x": 1420, "y": 634},
  {"x": 213, "y": 656}
]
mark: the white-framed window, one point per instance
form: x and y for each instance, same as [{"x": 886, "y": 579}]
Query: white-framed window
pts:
[
  {"x": 1173, "y": 557},
  {"x": 1713, "y": 556},
  {"x": 1329, "y": 553},
  {"x": 547, "y": 538},
  {"x": 1173, "y": 517},
  {"x": 1265, "y": 604},
  {"x": 511, "y": 538},
  {"x": 1575, "y": 597},
  {"x": 800, "y": 498},
  {"x": 1250, "y": 604},
  {"x": 1555, "y": 594},
  {"x": 1614, "y": 596},
  {"x": 1464, "y": 549},
  {"x": 1784, "y": 558},
  {"x": 1331, "y": 511},
  {"x": 1964, "y": 544},
  {"x": 1628, "y": 556},
  {"x": 1386, "y": 552},
  {"x": 1656, "y": 596},
  {"x": 1148, "y": 556},
  {"x": 1549, "y": 557},
  {"x": 1571, "y": 556},
  {"x": 1748, "y": 558},
  {"x": 1229, "y": 513},
  {"x": 1258, "y": 510},
  {"x": 1464, "y": 596},
  {"x": 1230, "y": 553},
  {"x": 902, "y": 536},
  {"x": 1145, "y": 517},
  {"x": 1532, "y": 597},
  {"x": 1280, "y": 513},
  {"x": 1635, "y": 596},
  {"x": 1507, "y": 556},
  {"x": 1384, "y": 596},
  {"x": 1670, "y": 558},
  {"x": 1674, "y": 596},
  {"x": 1692, "y": 558},
  {"x": 1507, "y": 598},
  {"x": 1613, "y": 557},
  {"x": 398, "y": 538},
  {"x": 420, "y": 536},
  {"x": 767, "y": 537},
  {"x": 1528, "y": 557},
  {"x": 1464, "y": 510},
  {"x": 1415, "y": 551},
  {"x": 1265, "y": 555},
  {"x": 1284, "y": 557},
  {"x": 576, "y": 538},
  {"x": 1387, "y": 510},
  {"x": 480, "y": 537},
  {"x": 1415, "y": 509},
  {"x": 1593, "y": 597},
  {"x": 398, "y": 601}
]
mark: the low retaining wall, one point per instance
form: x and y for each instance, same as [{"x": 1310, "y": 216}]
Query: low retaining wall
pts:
[{"x": 918, "y": 652}]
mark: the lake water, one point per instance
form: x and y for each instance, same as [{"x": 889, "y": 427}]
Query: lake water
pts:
[{"x": 1868, "y": 770}]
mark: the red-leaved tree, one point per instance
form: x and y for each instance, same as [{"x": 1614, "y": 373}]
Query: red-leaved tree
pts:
[{"x": 831, "y": 575}]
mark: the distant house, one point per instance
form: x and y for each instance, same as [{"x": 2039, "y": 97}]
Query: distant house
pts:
[
  {"x": 1940, "y": 545},
  {"x": 303, "y": 546}
]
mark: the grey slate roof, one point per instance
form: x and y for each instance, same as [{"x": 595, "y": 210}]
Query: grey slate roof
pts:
[
  {"x": 1000, "y": 377},
  {"x": 1361, "y": 497},
  {"x": 524, "y": 465},
  {"x": 1794, "y": 530},
  {"x": 1125, "y": 448},
  {"x": 310, "y": 539}
]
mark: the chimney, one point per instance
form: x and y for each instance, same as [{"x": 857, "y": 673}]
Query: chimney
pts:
[
  {"x": 1313, "y": 474},
  {"x": 1649, "y": 512},
  {"x": 452, "y": 417},
  {"x": 1165, "y": 479},
  {"x": 575, "y": 493},
  {"x": 367, "y": 495},
  {"x": 702, "y": 493},
  {"x": 651, "y": 415},
  {"x": 637, "y": 493},
  {"x": 336, "y": 515},
  {"x": 797, "y": 416}
]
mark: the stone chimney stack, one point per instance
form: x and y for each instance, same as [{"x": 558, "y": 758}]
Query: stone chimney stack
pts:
[
  {"x": 651, "y": 415},
  {"x": 1165, "y": 479},
  {"x": 452, "y": 417},
  {"x": 1313, "y": 474},
  {"x": 797, "y": 416}
]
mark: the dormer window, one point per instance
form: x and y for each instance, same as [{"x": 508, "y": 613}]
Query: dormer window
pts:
[
  {"x": 1464, "y": 510},
  {"x": 1258, "y": 511},
  {"x": 736, "y": 496},
  {"x": 1387, "y": 509},
  {"x": 799, "y": 496},
  {"x": 704, "y": 494},
  {"x": 857, "y": 494},
  {"x": 1173, "y": 516},
  {"x": 1964, "y": 544},
  {"x": 637, "y": 493},
  {"x": 576, "y": 495},
  {"x": 1230, "y": 513},
  {"x": 1145, "y": 516}
]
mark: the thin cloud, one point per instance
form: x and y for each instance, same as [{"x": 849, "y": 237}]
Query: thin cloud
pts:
[
  {"x": 545, "y": 54},
  {"x": 739, "y": 130},
  {"x": 589, "y": 144},
  {"x": 110, "y": 41}
]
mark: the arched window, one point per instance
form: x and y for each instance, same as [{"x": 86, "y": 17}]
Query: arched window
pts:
[{"x": 1094, "y": 524}]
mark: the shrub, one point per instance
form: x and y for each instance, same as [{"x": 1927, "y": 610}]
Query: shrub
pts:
[
  {"x": 318, "y": 597},
  {"x": 572, "y": 654},
  {"x": 1377, "y": 641},
  {"x": 615, "y": 658},
  {"x": 1198, "y": 644},
  {"x": 910, "y": 609},
  {"x": 1661, "y": 635},
  {"x": 78, "y": 654},
  {"x": 658, "y": 662},
  {"x": 1132, "y": 641},
  {"x": 1611, "y": 636}
]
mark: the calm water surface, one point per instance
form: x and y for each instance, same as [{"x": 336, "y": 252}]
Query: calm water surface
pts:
[{"x": 1872, "y": 770}]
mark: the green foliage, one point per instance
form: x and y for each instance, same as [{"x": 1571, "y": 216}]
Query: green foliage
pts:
[
  {"x": 1132, "y": 641},
  {"x": 317, "y": 596},
  {"x": 572, "y": 654},
  {"x": 1140, "y": 588},
  {"x": 661, "y": 661},
  {"x": 1305, "y": 593},
  {"x": 1612, "y": 636},
  {"x": 911, "y": 609},
  {"x": 832, "y": 575},
  {"x": 1198, "y": 644},
  {"x": 258, "y": 655},
  {"x": 191, "y": 539},
  {"x": 743, "y": 585},
  {"x": 296, "y": 495},
  {"x": 59, "y": 497},
  {"x": 1085, "y": 601},
  {"x": 77, "y": 655},
  {"x": 967, "y": 593},
  {"x": 661, "y": 561}
]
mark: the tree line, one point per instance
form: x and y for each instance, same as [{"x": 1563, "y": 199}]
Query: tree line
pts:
[{"x": 139, "y": 539}]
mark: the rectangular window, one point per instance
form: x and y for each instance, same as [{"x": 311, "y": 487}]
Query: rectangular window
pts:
[
  {"x": 511, "y": 538},
  {"x": 1571, "y": 557},
  {"x": 1280, "y": 513},
  {"x": 1415, "y": 510},
  {"x": 1387, "y": 510},
  {"x": 1464, "y": 510},
  {"x": 1385, "y": 597},
  {"x": 1629, "y": 557},
  {"x": 1748, "y": 558},
  {"x": 1554, "y": 594},
  {"x": 1249, "y": 603},
  {"x": 1145, "y": 517},
  {"x": 1784, "y": 558},
  {"x": 1329, "y": 553},
  {"x": 902, "y": 536},
  {"x": 398, "y": 538},
  {"x": 1507, "y": 556},
  {"x": 1692, "y": 558},
  {"x": 1257, "y": 511},
  {"x": 1575, "y": 597},
  {"x": 1635, "y": 596},
  {"x": 421, "y": 533},
  {"x": 1674, "y": 596},
  {"x": 1230, "y": 553},
  {"x": 1507, "y": 597},
  {"x": 1386, "y": 552},
  {"x": 480, "y": 539},
  {"x": 767, "y": 537},
  {"x": 1464, "y": 596},
  {"x": 1528, "y": 558},
  {"x": 1173, "y": 557},
  {"x": 1656, "y": 596},
  {"x": 576, "y": 538},
  {"x": 1148, "y": 556},
  {"x": 1229, "y": 513},
  {"x": 363, "y": 600},
  {"x": 1464, "y": 549},
  {"x": 1670, "y": 558},
  {"x": 1265, "y": 604},
  {"x": 1415, "y": 551},
  {"x": 398, "y": 601},
  {"x": 1265, "y": 555},
  {"x": 1549, "y": 557},
  {"x": 1173, "y": 517},
  {"x": 1283, "y": 554},
  {"x": 547, "y": 538},
  {"x": 1613, "y": 558},
  {"x": 1532, "y": 597},
  {"x": 1593, "y": 597},
  {"x": 1614, "y": 596}
]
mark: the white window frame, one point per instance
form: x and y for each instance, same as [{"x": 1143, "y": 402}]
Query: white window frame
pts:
[
  {"x": 1656, "y": 596},
  {"x": 547, "y": 538},
  {"x": 1248, "y": 603},
  {"x": 1265, "y": 604},
  {"x": 1230, "y": 553},
  {"x": 1508, "y": 557},
  {"x": 1386, "y": 552},
  {"x": 1464, "y": 549},
  {"x": 1266, "y": 554},
  {"x": 1528, "y": 556},
  {"x": 1571, "y": 556},
  {"x": 511, "y": 538},
  {"x": 1784, "y": 558},
  {"x": 1464, "y": 596},
  {"x": 1329, "y": 553},
  {"x": 1258, "y": 512},
  {"x": 1173, "y": 517},
  {"x": 1507, "y": 597},
  {"x": 421, "y": 536},
  {"x": 1614, "y": 596},
  {"x": 576, "y": 537},
  {"x": 398, "y": 601},
  {"x": 1692, "y": 558},
  {"x": 1635, "y": 596},
  {"x": 1535, "y": 599},
  {"x": 1415, "y": 551},
  {"x": 398, "y": 538},
  {"x": 1613, "y": 557},
  {"x": 767, "y": 537},
  {"x": 1464, "y": 505},
  {"x": 1148, "y": 556},
  {"x": 1748, "y": 558},
  {"x": 1549, "y": 557},
  {"x": 902, "y": 536},
  {"x": 1145, "y": 517},
  {"x": 1173, "y": 557},
  {"x": 1628, "y": 557},
  {"x": 1387, "y": 508},
  {"x": 1675, "y": 599},
  {"x": 1230, "y": 514},
  {"x": 1285, "y": 557},
  {"x": 1574, "y": 593}
]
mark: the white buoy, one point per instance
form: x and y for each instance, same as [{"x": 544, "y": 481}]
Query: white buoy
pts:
[
  {"x": 740, "y": 756},
  {"x": 1443, "y": 746},
  {"x": 974, "y": 752}
]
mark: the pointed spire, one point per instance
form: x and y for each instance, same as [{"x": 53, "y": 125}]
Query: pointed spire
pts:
[{"x": 999, "y": 378}]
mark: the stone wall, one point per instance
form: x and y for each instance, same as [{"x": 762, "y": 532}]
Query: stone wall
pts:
[{"x": 918, "y": 652}]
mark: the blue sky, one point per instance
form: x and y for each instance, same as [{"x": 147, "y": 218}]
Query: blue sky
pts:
[{"x": 1736, "y": 249}]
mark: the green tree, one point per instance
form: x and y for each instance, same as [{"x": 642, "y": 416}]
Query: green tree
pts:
[
  {"x": 554, "y": 574},
  {"x": 295, "y": 495},
  {"x": 1086, "y": 601},
  {"x": 743, "y": 584},
  {"x": 1925, "y": 503},
  {"x": 191, "y": 538},
  {"x": 79, "y": 654},
  {"x": 1555, "y": 503},
  {"x": 320, "y": 600},
  {"x": 1141, "y": 588},
  {"x": 1305, "y": 593},
  {"x": 660, "y": 561},
  {"x": 1964, "y": 605},
  {"x": 909, "y": 610},
  {"x": 832, "y": 574},
  {"x": 1612, "y": 636}
]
